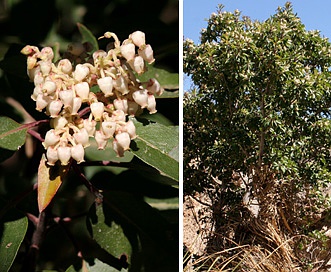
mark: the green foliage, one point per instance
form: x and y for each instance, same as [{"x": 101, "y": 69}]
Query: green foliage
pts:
[
  {"x": 258, "y": 121},
  {"x": 97, "y": 216},
  {"x": 265, "y": 89}
]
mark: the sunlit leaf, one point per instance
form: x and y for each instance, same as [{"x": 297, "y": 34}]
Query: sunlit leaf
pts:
[
  {"x": 167, "y": 80},
  {"x": 87, "y": 36},
  {"x": 13, "y": 234},
  {"x": 49, "y": 180},
  {"x": 158, "y": 145},
  {"x": 12, "y": 134}
]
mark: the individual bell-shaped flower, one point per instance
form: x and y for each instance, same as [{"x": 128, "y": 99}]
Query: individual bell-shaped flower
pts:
[
  {"x": 98, "y": 56},
  {"x": 38, "y": 78},
  {"x": 121, "y": 104},
  {"x": 151, "y": 104},
  {"x": 52, "y": 156},
  {"x": 64, "y": 154},
  {"x": 121, "y": 143},
  {"x": 77, "y": 153},
  {"x": 97, "y": 109},
  {"x": 128, "y": 51},
  {"x": 54, "y": 108},
  {"x": 49, "y": 87},
  {"x": 47, "y": 54},
  {"x": 147, "y": 53},
  {"x": 154, "y": 87},
  {"x": 82, "y": 90},
  {"x": 65, "y": 66},
  {"x": 108, "y": 128},
  {"x": 51, "y": 138},
  {"x": 66, "y": 97},
  {"x": 106, "y": 85},
  {"x": 42, "y": 102},
  {"x": 130, "y": 128},
  {"x": 82, "y": 137},
  {"x": 45, "y": 67},
  {"x": 100, "y": 139},
  {"x": 36, "y": 91},
  {"x": 138, "y": 65},
  {"x": 121, "y": 85},
  {"x": 76, "y": 104},
  {"x": 59, "y": 122},
  {"x": 118, "y": 116},
  {"x": 141, "y": 98},
  {"x": 81, "y": 72},
  {"x": 90, "y": 125},
  {"x": 138, "y": 38}
]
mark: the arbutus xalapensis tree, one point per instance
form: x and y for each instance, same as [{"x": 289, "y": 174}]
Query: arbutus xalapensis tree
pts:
[{"x": 261, "y": 111}]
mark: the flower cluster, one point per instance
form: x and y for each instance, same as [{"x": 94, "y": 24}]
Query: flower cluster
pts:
[{"x": 64, "y": 91}]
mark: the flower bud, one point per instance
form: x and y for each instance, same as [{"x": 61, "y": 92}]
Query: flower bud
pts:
[
  {"x": 52, "y": 156},
  {"x": 128, "y": 51},
  {"x": 82, "y": 90},
  {"x": 121, "y": 104},
  {"x": 49, "y": 87},
  {"x": 100, "y": 139},
  {"x": 54, "y": 108},
  {"x": 30, "y": 50},
  {"x": 47, "y": 54},
  {"x": 65, "y": 66},
  {"x": 81, "y": 72},
  {"x": 141, "y": 98},
  {"x": 138, "y": 65},
  {"x": 31, "y": 62},
  {"x": 138, "y": 38},
  {"x": 121, "y": 143},
  {"x": 64, "y": 154},
  {"x": 51, "y": 138},
  {"x": 108, "y": 128},
  {"x": 77, "y": 153},
  {"x": 82, "y": 137},
  {"x": 45, "y": 67},
  {"x": 151, "y": 104},
  {"x": 97, "y": 109},
  {"x": 106, "y": 85},
  {"x": 147, "y": 54}
]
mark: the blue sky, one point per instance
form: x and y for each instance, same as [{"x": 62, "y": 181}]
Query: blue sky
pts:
[{"x": 315, "y": 15}]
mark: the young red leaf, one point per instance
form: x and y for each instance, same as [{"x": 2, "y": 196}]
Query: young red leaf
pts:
[{"x": 49, "y": 181}]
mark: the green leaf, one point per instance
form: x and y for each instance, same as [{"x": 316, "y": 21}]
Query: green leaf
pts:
[
  {"x": 110, "y": 235},
  {"x": 158, "y": 146},
  {"x": 12, "y": 134},
  {"x": 166, "y": 79},
  {"x": 87, "y": 36},
  {"x": 12, "y": 237},
  {"x": 49, "y": 181}
]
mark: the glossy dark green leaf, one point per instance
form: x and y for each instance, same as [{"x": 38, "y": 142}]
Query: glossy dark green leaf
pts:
[
  {"x": 12, "y": 134},
  {"x": 157, "y": 145},
  {"x": 12, "y": 237}
]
